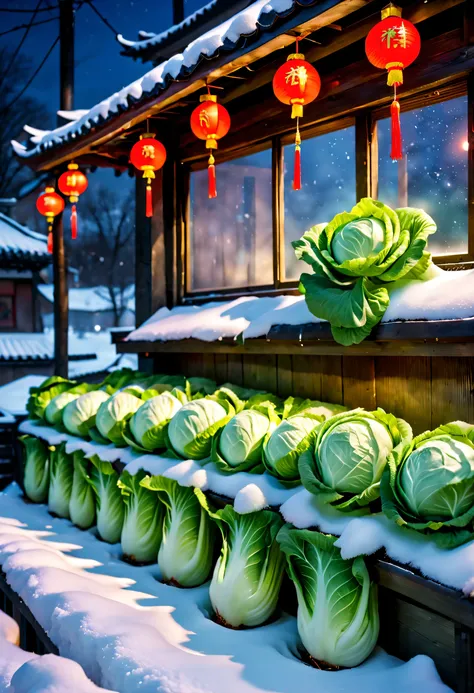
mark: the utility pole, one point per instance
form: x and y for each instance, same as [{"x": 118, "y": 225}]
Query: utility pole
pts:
[
  {"x": 178, "y": 11},
  {"x": 66, "y": 102}
]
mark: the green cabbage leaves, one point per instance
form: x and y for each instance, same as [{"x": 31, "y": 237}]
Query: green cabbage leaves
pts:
[
  {"x": 354, "y": 260},
  {"x": 145, "y": 431},
  {"x": 190, "y": 431},
  {"x": 110, "y": 506},
  {"x": 187, "y": 545},
  {"x": 82, "y": 500},
  {"x": 338, "y": 618},
  {"x": 143, "y": 520},
  {"x": 247, "y": 576},
  {"x": 112, "y": 416},
  {"x": 60, "y": 480},
  {"x": 431, "y": 488},
  {"x": 35, "y": 468},
  {"x": 80, "y": 414}
]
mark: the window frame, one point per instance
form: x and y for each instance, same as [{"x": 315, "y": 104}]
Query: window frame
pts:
[{"x": 366, "y": 172}]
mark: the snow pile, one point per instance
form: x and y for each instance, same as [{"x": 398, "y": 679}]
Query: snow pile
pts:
[
  {"x": 368, "y": 534},
  {"x": 131, "y": 633},
  {"x": 25, "y": 672},
  {"x": 14, "y": 395},
  {"x": 447, "y": 296}
]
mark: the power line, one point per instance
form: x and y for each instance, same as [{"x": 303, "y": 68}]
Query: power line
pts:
[
  {"x": 101, "y": 16},
  {"x": 44, "y": 9},
  {"x": 24, "y": 26},
  {"x": 33, "y": 76}
]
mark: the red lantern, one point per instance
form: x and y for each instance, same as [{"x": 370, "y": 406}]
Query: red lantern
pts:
[
  {"x": 210, "y": 121},
  {"x": 73, "y": 183},
  {"x": 50, "y": 204},
  {"x": 148, "y": 155},
  {"x": 393, "y": 44},
  {"x": 296, "y": 83}
]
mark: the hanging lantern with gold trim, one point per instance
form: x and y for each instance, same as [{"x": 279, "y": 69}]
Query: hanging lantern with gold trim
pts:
[
  {"x": 148, "y": 155},
  {"x": 210, "y": 121},
  {"x": 50, "y": 204},
  {"x": 73, "y": 183},
  {"x": 393, "y": 44},
  {"x": 296, "y": 83}
]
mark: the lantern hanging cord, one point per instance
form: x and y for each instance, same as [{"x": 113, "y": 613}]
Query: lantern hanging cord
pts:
[{"x": 102, "y": 18}]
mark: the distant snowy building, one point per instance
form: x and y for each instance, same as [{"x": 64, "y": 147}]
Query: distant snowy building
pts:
[{"x": 91, "y": 309}]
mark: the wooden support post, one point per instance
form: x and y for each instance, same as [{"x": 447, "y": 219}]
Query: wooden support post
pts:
[
  {"x": 150, "y": 282},
  {"x": 61, "y": 323},
  {"x": 470, "y": 154},
  {"x": 178, "y": 11},
  {"x": 66, "y": 56},
  {"x": 363, "y": 130}
]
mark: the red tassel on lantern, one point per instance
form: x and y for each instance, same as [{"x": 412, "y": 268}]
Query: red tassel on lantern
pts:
[
  {"x": 73, "y": 223},
  {"x": 50, "y": 204},
  {"x": 73, "y": 183},
  {"x": 148, "y": 155},
  {"x": 296, "y": 83},
  {"x": 396, "y": 151},
  {"x": 148, "y": 202},
  {"x": 210, "y": 121},
  {"x": 211, "y": 178},
  {"x": 393, "y": 44}
]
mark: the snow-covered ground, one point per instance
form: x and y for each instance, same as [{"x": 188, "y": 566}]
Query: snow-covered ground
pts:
[
  {"x": 25, "y": 672},
  {"x": 362, "y": 535},
  {"x": 446, "y": 296},
  {"x": 132, "y": 634}
]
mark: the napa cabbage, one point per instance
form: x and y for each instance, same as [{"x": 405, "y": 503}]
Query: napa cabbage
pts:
[
  {"x": 35, "y": 468},
  {"x": 337, "y": 618},
  {"x": 82, "y": 500},
  {"x": 41, "y": 396},
  {"x": 284, "y": 445},
  {"x": 110, "y": 506},
  {"x": 143, "y": 520},
  {"x": 187, "y": 545},
  {"x": 60, "y": 480},
  {"x": 112, "y": 417},
  {"x": 248, "y": 574}
]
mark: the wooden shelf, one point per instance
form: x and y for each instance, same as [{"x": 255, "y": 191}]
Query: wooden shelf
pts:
[{"x": 410, "y": 338}]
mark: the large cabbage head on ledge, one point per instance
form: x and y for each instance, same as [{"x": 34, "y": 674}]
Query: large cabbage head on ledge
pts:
[{"x": 354, "y": 260}]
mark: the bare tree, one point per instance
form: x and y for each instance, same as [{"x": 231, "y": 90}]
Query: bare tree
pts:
[
  {"x": 15, "y": 111},
  {"x": 105, "y": 254}
]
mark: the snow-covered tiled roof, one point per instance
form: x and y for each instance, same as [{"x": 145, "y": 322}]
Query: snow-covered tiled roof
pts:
[
  {"x": 90, "y": 299},
  {"x": 150, "y": 45},
  {"x": 239, "y": 30},
  {"x": 19, "y": 246}
]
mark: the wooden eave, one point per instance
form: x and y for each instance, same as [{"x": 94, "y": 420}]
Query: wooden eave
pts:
[{"x": 106, "y": 145}]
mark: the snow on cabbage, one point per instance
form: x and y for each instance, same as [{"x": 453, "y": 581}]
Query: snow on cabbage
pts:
[
  {"x": 187, "y": 544},
  {"x": 110, "y": 506},
  {"x": 338, "y": 618},
  {"x": 143, "y": 520},
  {"x": 344, "y": 463},
  {"x": 247, "y": 576},
  {"x": 35, "y": 469},
  {"x": 431, "y": 487}
]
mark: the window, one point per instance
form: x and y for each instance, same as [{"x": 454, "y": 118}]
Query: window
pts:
[
  {"x": 7, "y": 304},
  {"x": 329, "y": 187},
  {"x": 433, "y": 172},
  {"x": 231, "y": 237}
]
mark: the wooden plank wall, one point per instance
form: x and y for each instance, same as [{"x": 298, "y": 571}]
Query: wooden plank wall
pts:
[{"x": 427, "y": 391}]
